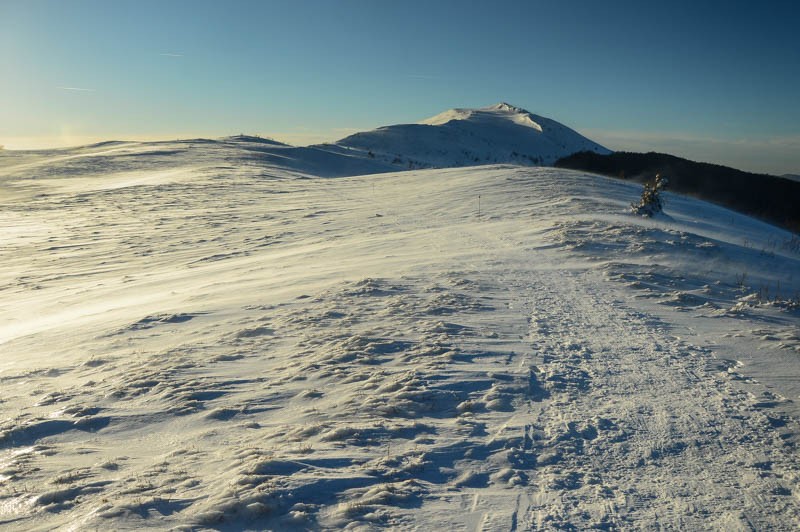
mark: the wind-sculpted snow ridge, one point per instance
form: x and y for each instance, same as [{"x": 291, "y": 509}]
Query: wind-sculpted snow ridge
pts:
[
  {"x": 500, "y": 133},
  {"x": 221, "y": 343},
  {"x": 116, "y": 161}
]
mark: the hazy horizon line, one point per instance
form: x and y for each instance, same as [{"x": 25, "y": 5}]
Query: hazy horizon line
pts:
[{"x": 690, "y": 146}]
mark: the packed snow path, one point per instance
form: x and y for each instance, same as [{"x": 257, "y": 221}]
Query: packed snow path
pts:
[
  {"x": 638, "y": 428},
  {"x": 231, "y": 347}
]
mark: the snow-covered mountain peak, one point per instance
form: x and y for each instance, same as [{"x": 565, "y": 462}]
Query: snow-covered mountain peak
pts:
[
  {"x": 448, "y": 116},
  {"x": 507, "y": 110},
  {"x": 504, "y": 106},
  {"x": 500, "y": 133},
  {"x": 498, "y": 112}
]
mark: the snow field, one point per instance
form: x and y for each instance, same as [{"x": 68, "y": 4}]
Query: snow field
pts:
[{"x": 232, "y": 345}]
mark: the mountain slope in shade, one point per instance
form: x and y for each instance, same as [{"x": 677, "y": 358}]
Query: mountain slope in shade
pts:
[{"x": 501, "y": 133}]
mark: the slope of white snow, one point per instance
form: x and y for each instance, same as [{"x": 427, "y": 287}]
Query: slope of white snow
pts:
[
  {"x": 195, "y": 336},
  {"x": 112, "y": 160},
  {"x": 500, "y": 133}
]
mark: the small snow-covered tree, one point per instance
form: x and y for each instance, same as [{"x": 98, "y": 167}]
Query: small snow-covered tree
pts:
[{"x": 651, "y": 203}]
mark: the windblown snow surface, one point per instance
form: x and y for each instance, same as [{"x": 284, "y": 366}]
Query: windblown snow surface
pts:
[{"x": 206, "y": 335}]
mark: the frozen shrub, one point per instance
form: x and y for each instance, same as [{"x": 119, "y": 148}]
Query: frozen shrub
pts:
[{"x": 651, "y": 203}]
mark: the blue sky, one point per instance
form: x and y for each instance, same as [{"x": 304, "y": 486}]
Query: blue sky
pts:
[{"x": 713, "y": 81}]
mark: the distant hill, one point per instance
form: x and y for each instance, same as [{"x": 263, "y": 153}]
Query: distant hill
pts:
[
  {"x": 500, "y": 133},
  {"x": 771, "y": 198}
]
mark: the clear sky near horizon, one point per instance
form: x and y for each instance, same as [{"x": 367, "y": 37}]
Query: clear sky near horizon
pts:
[{"x": 708, "y": 80}]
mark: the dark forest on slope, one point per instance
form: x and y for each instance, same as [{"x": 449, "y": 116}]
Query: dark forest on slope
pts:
[{"x": 771, "y": 198}]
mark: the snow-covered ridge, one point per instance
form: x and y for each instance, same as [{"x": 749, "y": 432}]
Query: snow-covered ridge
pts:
[
  {"x": 500, "y": 133},
  {"x": 501, "y": 111}
]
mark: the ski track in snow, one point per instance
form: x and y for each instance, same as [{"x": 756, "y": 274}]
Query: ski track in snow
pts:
[{"x": 239, "y": 348}]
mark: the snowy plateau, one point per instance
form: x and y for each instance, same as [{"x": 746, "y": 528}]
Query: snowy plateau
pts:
[{"x": 237, "y": 334}]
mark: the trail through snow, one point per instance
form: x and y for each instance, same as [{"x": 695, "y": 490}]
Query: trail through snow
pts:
[{"x": 242, "y": 346}]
